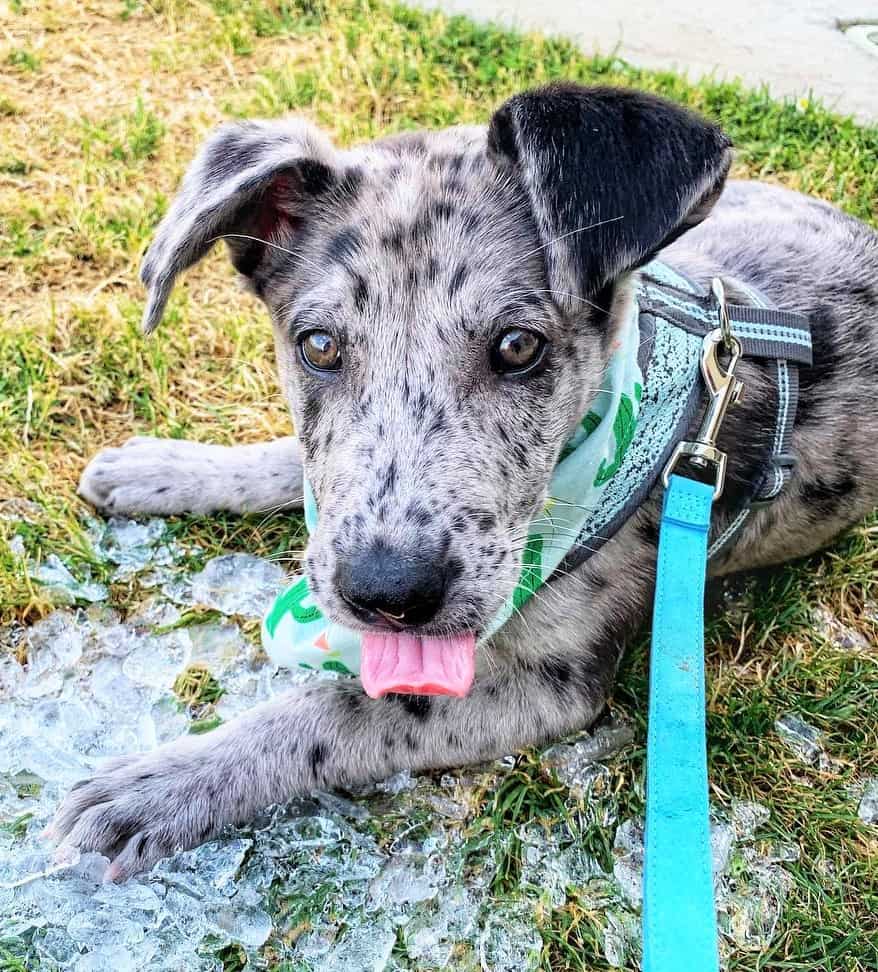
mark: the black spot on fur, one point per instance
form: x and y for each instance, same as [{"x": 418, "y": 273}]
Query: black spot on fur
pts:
[
  {"x": 317, "y": 756},
  {"x": 453, "y": 569},
  {"x": 361, "y": 293},
  {"x": 394, "y": 239},
  {"x": 316, "y": 177},
  {"x": 556, "y": 672},
  {"x": 419, "y": 706},
  {"x": 648, "y": 530},
  {"x": 344, "y": 245},
  {"x": 458, "y": 278},
  {"x": 824, "y": 496},
  {"x": 486, "y": 522},
  {"x": 418, "y": 514}
]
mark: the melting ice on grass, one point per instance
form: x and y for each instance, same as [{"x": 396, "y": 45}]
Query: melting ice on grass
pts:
[{"x": 382, "y": 882}]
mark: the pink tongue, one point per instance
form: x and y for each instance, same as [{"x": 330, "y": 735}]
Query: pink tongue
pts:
[{"x": 406, "y": 663}]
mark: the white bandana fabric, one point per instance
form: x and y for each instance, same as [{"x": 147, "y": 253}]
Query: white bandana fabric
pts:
[{"x": 295, "y": 634}]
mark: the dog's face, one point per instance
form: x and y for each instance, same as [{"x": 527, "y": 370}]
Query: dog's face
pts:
[
  {"x": 444, "y": 306},
  {"x": 433, "y": 381}
]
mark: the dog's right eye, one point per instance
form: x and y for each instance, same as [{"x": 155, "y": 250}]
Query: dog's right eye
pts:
[{"x": 320, "y": 350}]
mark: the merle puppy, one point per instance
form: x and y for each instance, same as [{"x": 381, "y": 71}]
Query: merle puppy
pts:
[{"x": 444, "y": 304}]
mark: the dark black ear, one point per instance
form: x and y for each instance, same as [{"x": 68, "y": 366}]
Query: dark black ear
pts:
[
  {"x": 253, "y": 179},
  {"x": 612, "y": 176}
]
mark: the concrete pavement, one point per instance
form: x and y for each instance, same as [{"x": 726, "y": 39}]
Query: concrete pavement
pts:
[{"x": 795, "y": 46}]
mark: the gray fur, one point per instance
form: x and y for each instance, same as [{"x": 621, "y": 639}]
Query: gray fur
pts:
[{"x": 414, "y": 250}]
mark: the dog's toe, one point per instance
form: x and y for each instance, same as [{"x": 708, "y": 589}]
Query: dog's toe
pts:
[{"x": 136, "y": 811}]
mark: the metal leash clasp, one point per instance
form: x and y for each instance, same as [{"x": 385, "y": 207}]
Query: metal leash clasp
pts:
[{"x": 725, "y": 390}]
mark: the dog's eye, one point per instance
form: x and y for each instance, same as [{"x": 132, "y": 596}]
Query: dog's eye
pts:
[
  {"x": 320, "y": 350},
  {"x": 517, "y": 351}
]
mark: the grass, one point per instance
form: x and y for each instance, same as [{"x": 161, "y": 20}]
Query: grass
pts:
[{"x": 103, "y": 104}]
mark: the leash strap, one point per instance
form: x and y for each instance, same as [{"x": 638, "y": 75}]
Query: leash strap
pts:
[{"x": 679, "y": 916}]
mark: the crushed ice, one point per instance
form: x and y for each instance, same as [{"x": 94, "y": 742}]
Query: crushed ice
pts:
[
  {"x": 838, "y": 634},
  {"x": 805, "y": 741},
  {"x": 867, "y": 810},
  {"x": 385, "y": 880}
]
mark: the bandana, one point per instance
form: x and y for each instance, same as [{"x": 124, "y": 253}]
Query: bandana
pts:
[{"x": 295, "y": 633}]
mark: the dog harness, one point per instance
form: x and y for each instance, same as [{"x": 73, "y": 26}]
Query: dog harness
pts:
[{"x": 651, "y": 396}]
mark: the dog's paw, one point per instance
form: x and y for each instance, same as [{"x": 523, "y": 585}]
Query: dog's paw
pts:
[
  {"x": 139, "y": 809},
  {"x": 156, "y": 477}
]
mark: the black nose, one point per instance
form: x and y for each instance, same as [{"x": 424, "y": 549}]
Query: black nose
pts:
[{"x": 383, "y": 583}]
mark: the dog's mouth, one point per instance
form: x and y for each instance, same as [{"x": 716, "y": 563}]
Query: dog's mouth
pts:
[{"x": 397, "y": 661}]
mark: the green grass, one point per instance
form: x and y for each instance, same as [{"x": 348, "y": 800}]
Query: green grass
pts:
[{"x": 87, "y": 169}]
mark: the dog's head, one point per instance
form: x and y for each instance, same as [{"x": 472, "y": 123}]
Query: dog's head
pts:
[{"x": 444, "y": 305}]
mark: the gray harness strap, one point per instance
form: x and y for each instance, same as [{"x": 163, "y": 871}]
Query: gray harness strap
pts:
[{"x": 764, "y": 331}]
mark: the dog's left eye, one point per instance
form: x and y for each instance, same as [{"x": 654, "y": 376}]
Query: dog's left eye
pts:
[
  {"x": 517, "y": 351},
  {"x": 320, "y": 350}
]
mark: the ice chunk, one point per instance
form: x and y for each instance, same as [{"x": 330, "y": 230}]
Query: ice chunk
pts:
[
  {"x": 433, "y": 935},
  {"x": 803, "y": 739},
  {"x": 554, "y": 863},
  {"x": 622, "y": 936},
  {"x": 839, "y": 635},
  {"x": 868, "y": 808},
  {"x": 218, "y": 646},
  {"x": 569, "y": 759},
  {"x": 365, "y": 947},
  {"x": 748, "y": 912},
  {"x": 628, "y": 860},
  {"x": 135, "y": 547},
  {"x": 104, "y": 927},
  {"x": 233, "y": 584},
  {"x": 55, "y": 645},
  {"x": 398, "y": 783},
  {"x": 406, "y": 880},
  {"x": 12, "y": 675},
  {"x": 158, "y": 659},
  {"x": 722, "y": 840},
  {"x": 747, "y": 817},
  {"x": 63, "y": 587},
  {"x": 510, "y": 940},
  {"x": 216, "y": 864}
]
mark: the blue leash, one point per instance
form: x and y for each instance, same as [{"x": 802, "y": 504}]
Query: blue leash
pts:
[
  {"x": 679, "y": 918},
  {"x": 679, "y": 914}
]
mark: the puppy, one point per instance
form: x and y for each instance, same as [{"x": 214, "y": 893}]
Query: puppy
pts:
[{"x": 444, "y": 307}]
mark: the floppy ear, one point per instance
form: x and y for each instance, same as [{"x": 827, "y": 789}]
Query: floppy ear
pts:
[
  {"x": 254, "y": 179},
  {"x": 612, "y": 176}
]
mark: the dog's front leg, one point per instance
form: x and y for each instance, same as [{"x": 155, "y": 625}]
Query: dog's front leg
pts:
[
  {"x": 147, "y": 807},
  {"x": 163, "y": 477}
]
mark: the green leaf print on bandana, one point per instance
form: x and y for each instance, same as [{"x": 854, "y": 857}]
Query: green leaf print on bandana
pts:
[
  {"x": 589, "y": 422},
  {"x": 291, "y": 601},
  {"x": 623, "y": 429},
  {"x": 531, "y": 572}
]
